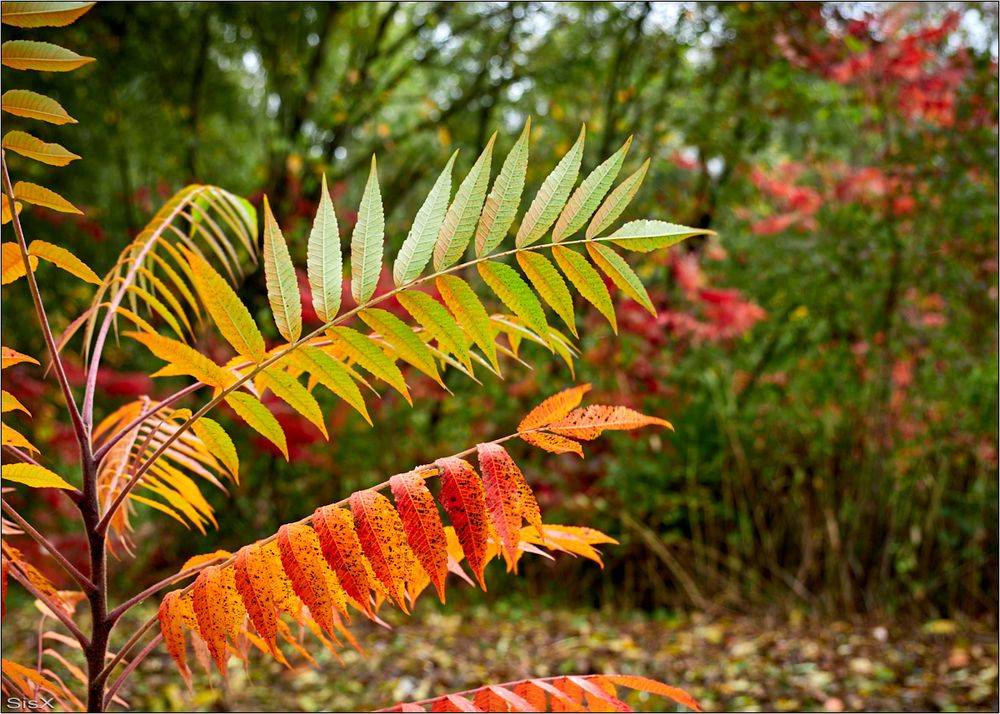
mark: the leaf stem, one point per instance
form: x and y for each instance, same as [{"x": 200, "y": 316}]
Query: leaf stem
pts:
[
  {"x": 82, "y": 580},
  {"x": 113, "y": 689},
  {"x": 127, "y": 647}
]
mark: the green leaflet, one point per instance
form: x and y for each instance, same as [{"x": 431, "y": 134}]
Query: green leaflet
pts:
[
  {"x": 331, "y": 374},
  {"x": 587, "y": 280},
  {"x": 43, "y": 14},
  {"x": 419, "y": 243},
  {"x": 586, "y": 198},
  {"x": 460, "y": 221},
  {"x": 218, "y": 443},
  {"x": 34, "y": 476},
  {"x": 158, "y": 307},
  {"x": 366, "y": 353},
  {"x": 226, "y": 309},
  {"x": 505, "y": 196},
  {"x": 615, "y": 267},
  {"x": 249, "y": 409},
  {"x": 402, "y": 338},
  {"x": 438, "y": 322},
  {"x": 617, "y": 201},
  {"x": 549, "y": 284},
  {"x": 282, "y": 285},
  {"x": 461, "y": 299},
  {"x": 367, "y": 239},
  {"x": 564, "y": 349},
  {"x": 645, "y": 236},
  {"x": 324, "y": 263},
  {"x": 289, "y": 390},
  {"x": 551, "y": 197},
  {"x": 515, "y": 294}
]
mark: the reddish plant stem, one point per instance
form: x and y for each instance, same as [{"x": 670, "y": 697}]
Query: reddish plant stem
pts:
[{"x": 113, "y": 689}]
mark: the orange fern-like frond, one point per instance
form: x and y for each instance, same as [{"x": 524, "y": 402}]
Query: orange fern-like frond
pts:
[{"x": 206, "y": 453}]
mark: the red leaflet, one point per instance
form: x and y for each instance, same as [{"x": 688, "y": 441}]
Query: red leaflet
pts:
[
  {"x": 465, "y": 502},
  {"x": 454, "y": 703},
  {"x": 422, "y": 524},
  {"x": 383, "y": 541},
  {"x": 342, "y": 550},
  {"x": 503, "y": 498}
]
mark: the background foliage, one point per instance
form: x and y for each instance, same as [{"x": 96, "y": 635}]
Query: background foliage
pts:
[{"x": 829, "y": 362}]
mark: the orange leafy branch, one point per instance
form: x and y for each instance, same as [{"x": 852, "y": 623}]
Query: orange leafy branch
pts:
[{"x": 375, "y": 551}]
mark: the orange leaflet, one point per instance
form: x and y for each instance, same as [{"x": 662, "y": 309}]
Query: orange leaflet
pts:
[
  {"x": 533, "y": 695},
  {"x": 253, "y": 583},
  {"x": 463, "y": 499},
  {"x": 218, "y": 611},
  {"x": 310, "y": 576},
  {"x": 383, "y": 541},
  {"x": 645, "y": 684},
  {"x": 589, "y": 422},
  {"x": 554, "y": 408},
  {"x": 597, "y": 696},
  {"x": 552, "y": 442},
  {"x": 503, "y": 497},
  {"x": 454, "y": 703},
  {"x": 172, "y": 627},
  {"x": 501, "y": 699},
  {"x": 422, "y": 524},
  {"x": 560, "y": 702},
  {"x": 343, "y": 553}
]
